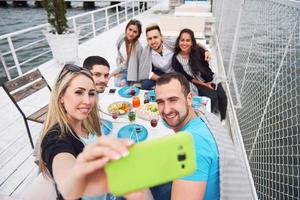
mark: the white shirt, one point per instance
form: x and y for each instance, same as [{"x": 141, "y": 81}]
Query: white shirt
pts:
[{"x": 162, "y": 62}]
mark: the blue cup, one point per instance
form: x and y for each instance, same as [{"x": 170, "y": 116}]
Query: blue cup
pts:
[{"x": 196, "y": 102}]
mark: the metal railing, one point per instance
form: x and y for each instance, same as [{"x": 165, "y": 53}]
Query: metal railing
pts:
[
  {"x": 15, "y": 56},
  {"x": 259, "y": 41}
]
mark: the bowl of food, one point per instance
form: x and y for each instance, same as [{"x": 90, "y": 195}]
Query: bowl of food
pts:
[
  {"x": 148, "y": 111},
  {"x": 121, "y": 107}
]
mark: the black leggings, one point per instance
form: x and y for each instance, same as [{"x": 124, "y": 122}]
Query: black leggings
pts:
[{"x": 218, "y": 99}]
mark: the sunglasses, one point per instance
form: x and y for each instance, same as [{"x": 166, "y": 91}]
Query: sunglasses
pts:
[{"x": 72, "y": 68}]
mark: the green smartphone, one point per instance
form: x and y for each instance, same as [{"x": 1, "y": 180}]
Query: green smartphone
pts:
[{"x": 151, "y": 163}]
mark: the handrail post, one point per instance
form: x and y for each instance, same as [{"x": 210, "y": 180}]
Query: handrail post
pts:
[
  {"x": 13, "y": 52},
  {"x": 132, "y": 8},
  {"x": 126, "y": 17},
  {"x": 5, "y": 67},
  {"x": 117, "y": 13},
  {"x": 106, "y": 20},
  {"x": 93, "y": 24},
  {"x": 74, "y": 24}
]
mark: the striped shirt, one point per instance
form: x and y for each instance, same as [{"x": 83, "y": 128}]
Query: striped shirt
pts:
[{"x": 186, "y": 67}]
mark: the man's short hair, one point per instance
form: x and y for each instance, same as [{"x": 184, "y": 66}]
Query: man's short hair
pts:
[
  {"x": 152, "y": 27},
  {"x": 90, "y": 61},
  {"x": 166, "y": 78}
]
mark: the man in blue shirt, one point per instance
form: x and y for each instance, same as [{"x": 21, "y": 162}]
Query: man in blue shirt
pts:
[{"x": 174, "y": 100}]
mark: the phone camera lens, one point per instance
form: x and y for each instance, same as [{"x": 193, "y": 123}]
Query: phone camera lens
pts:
[
  {"x": 181, "y": 157},
  {"x": 182, "y": 166}
]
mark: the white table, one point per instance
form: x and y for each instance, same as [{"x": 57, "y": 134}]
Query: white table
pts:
[{"x": 105, "y": 99}]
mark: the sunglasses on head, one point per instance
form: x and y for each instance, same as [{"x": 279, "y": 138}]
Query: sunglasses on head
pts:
[{"x": 71, "y": 68}]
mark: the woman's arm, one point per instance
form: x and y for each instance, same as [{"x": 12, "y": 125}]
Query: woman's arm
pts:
[
  {"x": 84, "y": 175},
  {"x": 198, "y": 82},
  {"x": 178, "y": 68}
]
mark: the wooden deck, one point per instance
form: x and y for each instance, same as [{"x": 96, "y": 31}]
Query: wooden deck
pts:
[{"x": 17, "y": 168}]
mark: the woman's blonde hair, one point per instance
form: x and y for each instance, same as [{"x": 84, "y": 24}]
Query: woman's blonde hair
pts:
[{"x": 57, "y": 115}]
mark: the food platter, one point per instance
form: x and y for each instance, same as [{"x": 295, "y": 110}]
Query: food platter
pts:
[
  {"x": 148, "y": 111},
  {"x": 121, "y": 107}
]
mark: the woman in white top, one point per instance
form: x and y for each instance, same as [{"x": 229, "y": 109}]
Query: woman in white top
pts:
[{"x": 129, "y": 52}]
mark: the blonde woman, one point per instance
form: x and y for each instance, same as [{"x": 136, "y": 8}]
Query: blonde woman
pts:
[{"x": 71, "y": 153}]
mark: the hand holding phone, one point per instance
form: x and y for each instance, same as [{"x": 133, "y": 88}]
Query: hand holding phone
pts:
[{"x": 152, "y": 163}]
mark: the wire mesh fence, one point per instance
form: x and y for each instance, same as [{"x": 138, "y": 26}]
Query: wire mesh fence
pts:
[{"x": 260, "y": 41}]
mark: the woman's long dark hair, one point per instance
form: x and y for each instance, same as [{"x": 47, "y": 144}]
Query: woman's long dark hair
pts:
[{"x": 196, "y": 60}]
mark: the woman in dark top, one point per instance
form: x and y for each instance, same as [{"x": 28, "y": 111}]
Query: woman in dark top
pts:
[
  {"x": 71, "y": 152},
  {"x": 189, "y": 60}
]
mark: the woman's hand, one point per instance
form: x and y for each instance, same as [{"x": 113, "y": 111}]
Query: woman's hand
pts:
[
  {"x": 97, "y": 154},
  {"x": 122, "y": 60},
  {"x": 84, "y": 175},
  {"x": 208, "y": 84},
  {"x": 207, "y": 56}
]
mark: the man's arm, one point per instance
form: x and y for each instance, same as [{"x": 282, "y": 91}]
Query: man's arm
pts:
[
  {"x": 194, "y": 190},
  {"x": 154, "y": 77}
]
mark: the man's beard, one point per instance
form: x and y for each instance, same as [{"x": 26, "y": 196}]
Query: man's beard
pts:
[
  {"x": 102, "y": 88},
  {"x": 180, "y": 120},
  {"x": 158, "y": 47}
]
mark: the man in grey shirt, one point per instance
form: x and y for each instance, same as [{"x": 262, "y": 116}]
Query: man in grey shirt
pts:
[{"x": 156, "y": 57}]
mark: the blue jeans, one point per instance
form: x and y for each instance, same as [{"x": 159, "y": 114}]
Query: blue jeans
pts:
[
  {"x": 147, "y": 84},
  {"x": 162, "y": 192}
]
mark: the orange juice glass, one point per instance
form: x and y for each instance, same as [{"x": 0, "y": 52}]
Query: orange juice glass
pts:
[{"x": 136, "y": 102}]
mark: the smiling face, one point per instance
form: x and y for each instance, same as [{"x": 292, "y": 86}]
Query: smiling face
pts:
[
  {"x": 154, "y": 40},
  {"x": 79, "y": 98},
  {"x": 173, "y": 105},
  {"x": 185, "y": 43},
  {"x": 100, "y": 75},
  {"x": 132, "y": 32}
]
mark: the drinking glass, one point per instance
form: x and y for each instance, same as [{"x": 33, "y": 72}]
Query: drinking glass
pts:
[
  {"x": 154, "y": 121},
  {"x": 136, "y": 102},
  {"x": 132, "y": 92},
  {"x": 131, "y": 116},
  {"x": 114, "y": 114},
  {"x": 117, "y": 80}
]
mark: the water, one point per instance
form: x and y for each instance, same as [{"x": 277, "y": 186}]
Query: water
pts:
[{"x": 14, "y": 19}]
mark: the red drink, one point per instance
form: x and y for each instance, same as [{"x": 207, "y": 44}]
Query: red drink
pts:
[
  {"x": 153, "y": 122},
  {"x": 114, "y": 115},
  {"x": 132, "y": 92}
]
